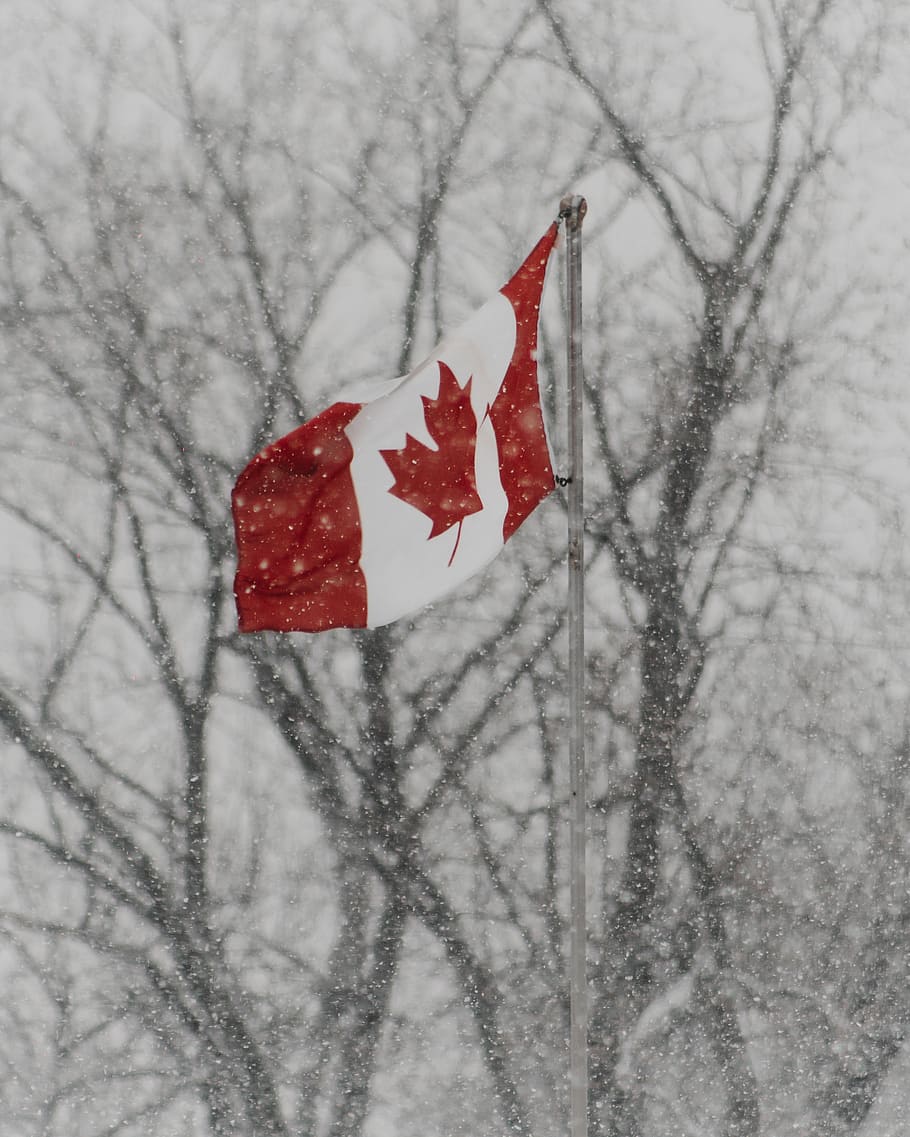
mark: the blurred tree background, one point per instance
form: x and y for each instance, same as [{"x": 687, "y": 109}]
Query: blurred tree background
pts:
[{"x": 317, "y": 885}]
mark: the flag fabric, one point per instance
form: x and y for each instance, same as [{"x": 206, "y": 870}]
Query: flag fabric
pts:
[{"x": 376, "y": 508}]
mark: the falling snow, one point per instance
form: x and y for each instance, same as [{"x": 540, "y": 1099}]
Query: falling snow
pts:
[{"x": 317, "y": 886}]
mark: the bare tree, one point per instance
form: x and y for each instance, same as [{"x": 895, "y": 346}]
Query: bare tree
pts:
[
  {"x": 173, "y": 323},
  {"x": 682, "y": 474},
  {"x": 270, "y": 885}
]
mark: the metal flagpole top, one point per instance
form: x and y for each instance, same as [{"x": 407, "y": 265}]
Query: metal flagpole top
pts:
[{"x": 572, "y": 210}]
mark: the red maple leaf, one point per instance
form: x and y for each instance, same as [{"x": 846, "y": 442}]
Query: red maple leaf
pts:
[{"x": 441, "y": 482}]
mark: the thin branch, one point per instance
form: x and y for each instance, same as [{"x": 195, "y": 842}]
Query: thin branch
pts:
[{"x": 631, "y": 146}]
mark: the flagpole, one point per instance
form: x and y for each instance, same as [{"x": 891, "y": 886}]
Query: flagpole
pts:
[{"x": 572, "y": 209}]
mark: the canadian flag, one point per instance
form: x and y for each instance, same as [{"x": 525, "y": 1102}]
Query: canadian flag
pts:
[{"x": 375, "y": 509}]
